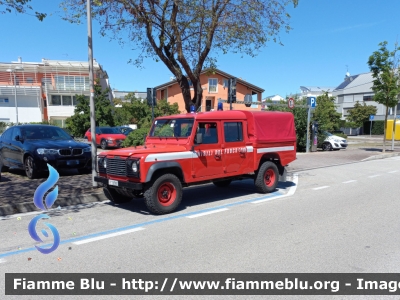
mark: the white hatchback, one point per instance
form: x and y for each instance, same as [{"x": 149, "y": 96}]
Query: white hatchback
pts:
[{"x": 333, "y": 142}]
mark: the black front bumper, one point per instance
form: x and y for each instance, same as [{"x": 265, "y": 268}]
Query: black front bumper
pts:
[{"x": 121, "y": 184}]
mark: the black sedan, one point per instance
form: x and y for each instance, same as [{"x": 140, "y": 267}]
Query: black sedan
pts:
[{"x": 32, "y": 147}]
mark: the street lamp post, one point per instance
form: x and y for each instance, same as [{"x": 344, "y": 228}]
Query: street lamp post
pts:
[{"x": 15, "y": 90}]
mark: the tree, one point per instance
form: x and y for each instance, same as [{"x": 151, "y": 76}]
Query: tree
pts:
[
  {"x": 300, "y": 119},
  {"x": 187, "y": 35},
  {"x": 384, "y": 65},
  {"x": 79, "y": 123},
  {"x": 360, "y": 113},
  {"x": 19, "y": 6},
  {"x": 325, "y": 113}
]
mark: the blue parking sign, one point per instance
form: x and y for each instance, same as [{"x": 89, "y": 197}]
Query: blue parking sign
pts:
[
  {"x": 312, "y": 102},
  {"x": 371, "y": 117}
]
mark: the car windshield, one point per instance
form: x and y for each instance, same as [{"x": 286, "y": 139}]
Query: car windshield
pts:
[
  {"x": 327, "y": 133},
  {"x": 110, "y": 130},
  {"x": 45, "y": 133},
  {"x": 179, "y": 128}
]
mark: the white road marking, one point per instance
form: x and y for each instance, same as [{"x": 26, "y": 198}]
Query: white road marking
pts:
[
  {"x": 372, "y": 176},
  {"x": 321, "y": 187},
  {"x": 207, "y": 213},
  {"x": 349, "y": 181},
  {"x": 393, "y": 171},
  {"x": 107, "y": 236},
  {"x": 291, "y": 191}
]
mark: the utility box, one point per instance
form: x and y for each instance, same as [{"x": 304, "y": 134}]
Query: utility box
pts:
[{"x": 389, "y": 130}]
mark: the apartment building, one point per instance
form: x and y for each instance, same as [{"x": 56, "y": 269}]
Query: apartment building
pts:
[{"x": 46, "y": 90}]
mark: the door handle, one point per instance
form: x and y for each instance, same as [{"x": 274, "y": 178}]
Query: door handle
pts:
[{"x": 218, "y": 156}]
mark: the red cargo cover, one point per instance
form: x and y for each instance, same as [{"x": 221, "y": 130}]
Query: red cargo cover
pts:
[{"x": 271, "y": 126}]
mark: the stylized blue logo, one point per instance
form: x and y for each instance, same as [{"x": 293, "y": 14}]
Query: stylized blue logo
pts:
[{"x": 49, "y": 201}]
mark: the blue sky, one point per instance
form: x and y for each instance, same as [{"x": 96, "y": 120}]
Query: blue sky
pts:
[{"x": 327, "y": 35}]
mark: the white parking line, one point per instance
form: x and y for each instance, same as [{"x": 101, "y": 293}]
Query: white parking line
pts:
[
  {"x": 393, "y": 171},
  {"x": 207, "y": 213},
  {"x": 107, "y": 236},
  {"x": 349, "y": 181},
  {"x": 321, "y": 187},
  {"x": 291, "y": 191},
  {"x": 372, "y": 176}
]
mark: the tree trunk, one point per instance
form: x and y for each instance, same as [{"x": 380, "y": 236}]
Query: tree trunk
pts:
[
  {"x": 384, "y": 130},
  {"x": 198, "y": 93}
]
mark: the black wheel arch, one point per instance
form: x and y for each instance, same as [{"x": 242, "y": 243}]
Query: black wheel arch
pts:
[
  {"x": 274, "y": 157},
  {"x": 164, "y": 167}
]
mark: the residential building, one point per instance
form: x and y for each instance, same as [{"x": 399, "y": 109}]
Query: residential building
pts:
[
  {"x": 46, "y": 90},
  {"x": 309, "y": 91},
  {"x": 358, "y": 88},
  {"x": 215, "y": 86},
  {"x": 121, "y": 94}
]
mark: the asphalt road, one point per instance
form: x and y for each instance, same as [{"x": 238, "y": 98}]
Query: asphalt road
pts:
[{"x": 340, "y": 219}]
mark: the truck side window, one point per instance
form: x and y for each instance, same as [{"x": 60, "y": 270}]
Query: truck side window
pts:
[
  {"x": 233, "y": 131},
  {"x": 209, "y": 131}
]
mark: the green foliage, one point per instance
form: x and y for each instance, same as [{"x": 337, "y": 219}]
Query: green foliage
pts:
[
  {"x": 136, "y": 137},
  {"x": 325, "y": 113},
  {"x": 384, "y": 66},
  {"x": 360, "y": 113},
  {"x": 137, "y": 111},
  {"x": 341, "y": 135},
  {"x": 79, "y": 123},
  {"x": 378, "y": 127},
  {"x": 19, "y": 6},
  {"x": 300, "y": 120}
]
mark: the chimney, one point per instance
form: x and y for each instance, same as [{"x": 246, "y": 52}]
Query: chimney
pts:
[{"x": 19, "y": 59}]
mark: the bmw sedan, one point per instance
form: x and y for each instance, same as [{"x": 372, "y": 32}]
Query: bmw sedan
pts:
[{"x": 32, "y": 147}]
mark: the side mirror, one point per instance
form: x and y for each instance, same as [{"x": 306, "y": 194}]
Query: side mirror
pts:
[{"x": 199, "y": 138}]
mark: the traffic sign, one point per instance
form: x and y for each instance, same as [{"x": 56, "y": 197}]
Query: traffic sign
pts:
[
  {"x": 291, "y": 103},
  {"x": 312, "y": 102},
  {"x": 371, "y": 117}
]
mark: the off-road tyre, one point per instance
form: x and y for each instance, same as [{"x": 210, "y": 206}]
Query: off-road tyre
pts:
[
  {"x": 115, "y": 197},
  {"x": 222, "y": 183},
  {"x": 164, "y": 195},
  {"x": 267, "y": 177}
]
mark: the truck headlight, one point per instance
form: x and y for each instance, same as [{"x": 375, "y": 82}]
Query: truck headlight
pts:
[
  {"x": 135, "y": 167},
  {"x": 105, "y": 162}
]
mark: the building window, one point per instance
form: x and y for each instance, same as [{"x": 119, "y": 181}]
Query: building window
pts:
[
  {"x": 72, "y": 83},
  {"x": 55, "y": 100},
  {"x": 226, "y": 83},
  {"x": 368, "y": 97},
  {"x": 212, "y": 85},
  {"x": 66, "y": 100}
]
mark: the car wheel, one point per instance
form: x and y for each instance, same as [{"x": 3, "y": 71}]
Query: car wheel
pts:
[
  {"x": 115, "y": 197},
  {"x": 103, "y": 144},
  {"x": 326, "y": 146},
  {"x": 267, "y": 177},
  {"x": 30, "y": 170},
  {"x": 222, "y": 183},
  {"x": 164, "y": 195}
]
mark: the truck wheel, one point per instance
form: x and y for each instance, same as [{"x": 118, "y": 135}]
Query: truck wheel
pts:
[
  {"x": 165, "y": 195},
  {"x": 115, "y": 197},
  {"x": 267, "y": 177},
  {"x": 222, "y": 183}
]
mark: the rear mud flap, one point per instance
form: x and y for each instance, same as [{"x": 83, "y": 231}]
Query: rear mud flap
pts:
[{"x": 282, "y": 177}]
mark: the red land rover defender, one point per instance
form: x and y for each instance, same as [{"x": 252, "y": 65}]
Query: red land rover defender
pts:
[{"x": 189, "y": 149}]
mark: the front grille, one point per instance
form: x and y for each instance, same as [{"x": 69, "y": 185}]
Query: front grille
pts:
[
  {"x": 343, "y": 145},
  {"x": 77, "y": 151},
  {"x": 116, "y": 166},
  {"x": 64, "y": 152}
]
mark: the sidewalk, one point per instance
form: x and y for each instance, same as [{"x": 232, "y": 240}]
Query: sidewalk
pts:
[{"x": 16, "y": 190}]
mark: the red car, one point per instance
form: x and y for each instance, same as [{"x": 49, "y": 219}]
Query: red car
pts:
[{"x": 107, "y": 137}]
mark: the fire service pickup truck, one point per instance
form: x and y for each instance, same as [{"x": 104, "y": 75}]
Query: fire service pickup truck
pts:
[{"x": 196, "y": 148}]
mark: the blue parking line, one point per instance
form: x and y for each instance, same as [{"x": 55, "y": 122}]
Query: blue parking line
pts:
[{"x": 272, "y": 195}]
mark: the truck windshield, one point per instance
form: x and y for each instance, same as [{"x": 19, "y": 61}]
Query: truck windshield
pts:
[{"x": 178, "y": 128}]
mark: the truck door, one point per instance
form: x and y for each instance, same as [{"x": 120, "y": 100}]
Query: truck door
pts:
[
  {"x": 234, "y": 148},
  {"x": 207, "y": 158}
]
